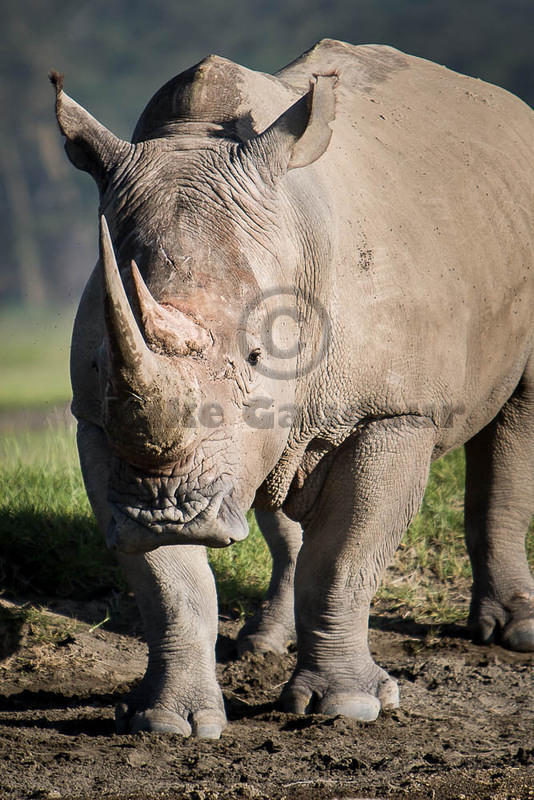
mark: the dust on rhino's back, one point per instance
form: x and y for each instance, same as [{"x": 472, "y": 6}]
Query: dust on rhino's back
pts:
[
  {"x": 431, "y": 166},
  {"x": 430, "y": 180},
  {"x": 408, "y": 99}
]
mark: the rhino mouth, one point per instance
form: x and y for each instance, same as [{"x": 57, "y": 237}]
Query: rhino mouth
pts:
[
  {"x": 177, "y": 515},
  {"x": 150, "y": 511}
]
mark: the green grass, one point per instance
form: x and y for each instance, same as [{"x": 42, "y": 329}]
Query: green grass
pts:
[
  {"x": 34, "y": 358},
  {"x": 242, "y": 571},
  {"x": 49, "y": 543},
  {"x": 430, "y": 578}
]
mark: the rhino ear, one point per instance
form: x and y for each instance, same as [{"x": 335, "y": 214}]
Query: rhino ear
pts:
[
  {"x": 88, "y": 144},
  {"x": 301, "y": 134}
]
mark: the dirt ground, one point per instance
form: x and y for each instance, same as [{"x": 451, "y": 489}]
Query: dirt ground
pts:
[{"x": 465, "y": 728}]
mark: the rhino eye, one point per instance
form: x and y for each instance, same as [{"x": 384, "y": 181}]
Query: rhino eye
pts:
[{"x": 254, "y": 356}]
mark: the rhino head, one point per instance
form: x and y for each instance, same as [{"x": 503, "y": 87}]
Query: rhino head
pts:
[{"x": 169, "y": 354}]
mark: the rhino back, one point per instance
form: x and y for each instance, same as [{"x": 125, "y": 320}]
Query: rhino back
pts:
[{"x": 429, "y": 177}]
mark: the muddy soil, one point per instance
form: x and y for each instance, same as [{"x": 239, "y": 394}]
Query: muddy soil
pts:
[{"x": 465, "y": 729}]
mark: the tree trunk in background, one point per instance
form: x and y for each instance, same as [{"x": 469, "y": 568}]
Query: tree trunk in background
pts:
[{"x": 24, "y": 241}]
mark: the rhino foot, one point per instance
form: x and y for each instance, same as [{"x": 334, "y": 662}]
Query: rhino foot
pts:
[
  {"x": 362, "y": 699},
  {"x": 519, "y": 635},
  {"x": 510, "y": 625},
  {"x": 264, "y": 634},
  {"x": 204, "y": 724},
  {"x": 204, "y": 719}
]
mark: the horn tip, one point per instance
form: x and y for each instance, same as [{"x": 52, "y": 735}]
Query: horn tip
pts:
[
  {"x": 104, "y": 229},
  {"x": 135, "y": 272},
  {"x": 106, "y": 250}
]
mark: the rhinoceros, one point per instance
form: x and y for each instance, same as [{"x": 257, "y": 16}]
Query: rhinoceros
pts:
[{"x": 310, "y": 286}]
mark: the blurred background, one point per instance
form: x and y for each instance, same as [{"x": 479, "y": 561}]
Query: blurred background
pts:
[{"x": 115, "y": 55}]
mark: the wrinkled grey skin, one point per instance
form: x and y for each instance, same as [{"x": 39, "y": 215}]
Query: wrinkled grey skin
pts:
[{"x": 396, "y": 195}]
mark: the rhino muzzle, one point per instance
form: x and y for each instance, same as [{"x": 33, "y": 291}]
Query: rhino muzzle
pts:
[
  {"x": 150, "y": 510},
  {"x": 218, "y": 524}
]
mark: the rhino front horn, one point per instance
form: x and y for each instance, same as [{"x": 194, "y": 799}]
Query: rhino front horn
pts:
[{"x": 131, "y": 359}]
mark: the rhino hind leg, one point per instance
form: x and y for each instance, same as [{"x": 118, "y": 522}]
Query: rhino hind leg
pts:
[
  {"x": 273, "y": 626},
  {"x": 499, "y": 505},
  {"x": 372, "y": 491}
]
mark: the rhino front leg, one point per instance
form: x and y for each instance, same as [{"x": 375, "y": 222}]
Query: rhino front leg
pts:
[
  {"x": 499, "y": 504},
  {"x": 175, "y": 592},
  {"x": 273, "y": 625},
  {"x": 373, "y": 489}
]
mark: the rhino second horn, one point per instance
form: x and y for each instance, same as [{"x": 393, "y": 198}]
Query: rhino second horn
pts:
[
  {"x": 129, "y": 353},
  {"x": 172, "y": 327}
]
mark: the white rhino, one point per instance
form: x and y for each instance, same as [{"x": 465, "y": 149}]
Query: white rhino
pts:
[{"x": 319, "y": 282}]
